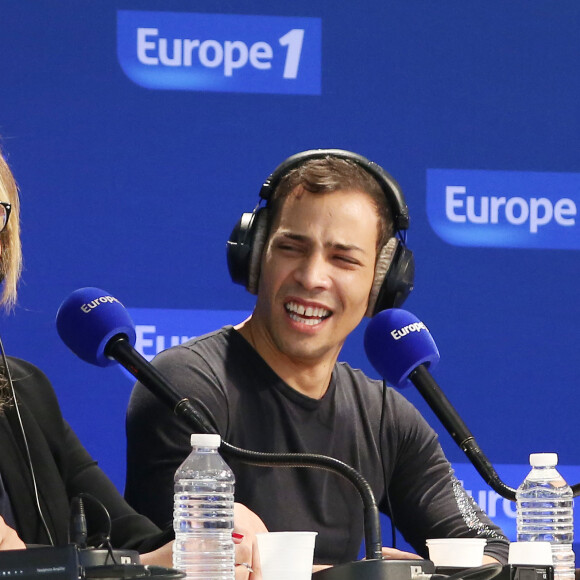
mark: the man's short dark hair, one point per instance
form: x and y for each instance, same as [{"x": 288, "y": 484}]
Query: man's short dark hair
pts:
[{"x": 333, "y": 174}]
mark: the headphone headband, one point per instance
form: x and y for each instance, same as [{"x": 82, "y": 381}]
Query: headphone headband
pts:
[{"x": 387, "y": 183}]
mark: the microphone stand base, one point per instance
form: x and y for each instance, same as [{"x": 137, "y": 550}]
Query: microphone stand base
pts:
[{"x": 376, "y": 570}]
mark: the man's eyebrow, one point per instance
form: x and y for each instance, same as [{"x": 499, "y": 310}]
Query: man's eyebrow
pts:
[
  {"x": 334, "y": 245},
  {"x": 345, "y": 247},
  {"x": 293, "y": 236}
]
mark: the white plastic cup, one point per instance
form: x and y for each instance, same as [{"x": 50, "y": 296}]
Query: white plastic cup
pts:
[
  {"x": 456, "y": 552},
  {"x": 286, "y": 555},
  {"x": 530, "y": 553}
]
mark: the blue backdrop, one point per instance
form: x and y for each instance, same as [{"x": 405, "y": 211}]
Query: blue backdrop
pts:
[{"x": 139, "y": 131}]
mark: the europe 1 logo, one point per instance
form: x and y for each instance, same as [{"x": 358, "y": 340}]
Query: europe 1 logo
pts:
[{"x": 220, "y": 52}]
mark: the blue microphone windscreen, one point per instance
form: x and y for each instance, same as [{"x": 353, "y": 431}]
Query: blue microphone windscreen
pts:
[
  {"x": 396, "y": 343},
  {"x": 88, "y": 319}
]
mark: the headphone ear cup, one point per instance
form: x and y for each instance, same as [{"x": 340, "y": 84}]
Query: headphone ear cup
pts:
[
  {"x": 244, "y": 249},
  {"x": 238, "y": 249},
  {"x": 394, "y": 277},
  {"x": 382, "y": 267},
  {"x": 260, "y": 230}
]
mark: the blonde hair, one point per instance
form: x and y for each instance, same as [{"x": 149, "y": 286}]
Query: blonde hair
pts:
[{"x": 10, "y": 247}]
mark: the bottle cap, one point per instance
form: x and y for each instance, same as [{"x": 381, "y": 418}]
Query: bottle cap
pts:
[
  {"x": 205, "y": 440},
  {"x": 543, "y": 459}
]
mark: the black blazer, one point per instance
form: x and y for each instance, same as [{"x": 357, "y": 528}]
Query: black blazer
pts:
[{"x": 63, "y": 468}]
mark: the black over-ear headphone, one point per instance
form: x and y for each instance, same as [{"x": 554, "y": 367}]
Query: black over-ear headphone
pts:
[{"x": 395, "y": 268}]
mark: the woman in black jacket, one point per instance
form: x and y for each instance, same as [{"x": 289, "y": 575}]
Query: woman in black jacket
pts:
[{"x": 43, "y": 465}]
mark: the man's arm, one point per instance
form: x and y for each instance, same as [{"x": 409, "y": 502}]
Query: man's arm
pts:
[{"x": 427, "y": 499}]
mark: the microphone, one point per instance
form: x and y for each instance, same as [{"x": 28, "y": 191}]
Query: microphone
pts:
[
  {"x": 98, "y": 329},
  {"x": 401, "y": 349},
  {"x": 87, "y": 321},
  {"x": 396, "y": 342}
]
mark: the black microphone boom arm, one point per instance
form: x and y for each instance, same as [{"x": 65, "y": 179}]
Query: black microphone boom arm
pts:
[{"x": 430, "y": 391}]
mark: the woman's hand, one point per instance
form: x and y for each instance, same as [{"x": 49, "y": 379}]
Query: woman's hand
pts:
[
  {"x": 246, "y": 525},
  {"x": 161, "y": 557},
  {"x": 394, "y": 554},
  {"x": 9, "y": 539}
]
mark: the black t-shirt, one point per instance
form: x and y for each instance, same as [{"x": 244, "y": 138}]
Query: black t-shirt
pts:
[{"x": 252, "y": 408}]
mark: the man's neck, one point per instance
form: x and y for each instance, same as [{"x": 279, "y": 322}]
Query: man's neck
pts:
[{"x": 311, "y": 378}]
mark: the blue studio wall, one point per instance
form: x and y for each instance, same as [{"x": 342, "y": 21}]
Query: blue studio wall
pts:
[{"x": 139, "y": 131}]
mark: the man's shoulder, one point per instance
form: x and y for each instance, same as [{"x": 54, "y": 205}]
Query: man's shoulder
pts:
[
  {"x": 368, "y": 388},
  {"x": 224, "y": 335},
  {"x": 358, "y": 377},
  {"x": 204, "y": 342},
  {"x": 219, "y": 345}
]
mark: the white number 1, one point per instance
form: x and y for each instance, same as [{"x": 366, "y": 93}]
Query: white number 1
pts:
[{"x": 293, "y": 40}]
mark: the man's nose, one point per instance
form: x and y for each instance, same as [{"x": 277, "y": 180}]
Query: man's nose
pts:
[{"x": 313, "y": 272}]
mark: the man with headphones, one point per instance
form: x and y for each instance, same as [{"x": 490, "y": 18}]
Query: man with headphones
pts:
[{"x": 327, "y": 248}]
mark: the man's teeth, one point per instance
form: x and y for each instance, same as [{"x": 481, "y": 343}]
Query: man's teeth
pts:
[
  {"x": 314, "y": 315},
  {"x": 307, "y": 321}
]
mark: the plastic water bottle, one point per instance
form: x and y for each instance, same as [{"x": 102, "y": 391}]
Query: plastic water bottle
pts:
[
  {"x": 545, "y": 512},
  {"x": 203, "y": 515}
]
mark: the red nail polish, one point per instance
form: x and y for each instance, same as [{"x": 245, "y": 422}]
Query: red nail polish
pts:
[{"x": 237, "y": 536}]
